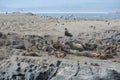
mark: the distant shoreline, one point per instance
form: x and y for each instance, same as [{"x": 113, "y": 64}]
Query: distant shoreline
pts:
[
  {"x": 90, "y": 12},
  {"x": 77, "y": 15}
]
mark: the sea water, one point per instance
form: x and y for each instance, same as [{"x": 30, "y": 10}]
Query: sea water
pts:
[{"x": 82, "y": 15}]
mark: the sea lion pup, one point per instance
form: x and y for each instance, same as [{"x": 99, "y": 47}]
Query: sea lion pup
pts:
[
  {"x": 105, "y": 56},
  {"x": 48, "y": 47},
  {"x": 116, "y": 60},
  {"x": 33, "y": 48},
  {"x": 59, "y": 54},
  {"x": 64, "y": 47},
  {"x": 111, "y": 49},
  {"x": 57, "y": 45},
  {"x": 118, "y": 48},
  {"x": 100, "y": 47},
  {"x": 31, "y": 54},
  {"x": 108, "y": 52},
  {"x": 67, "y": 33}
]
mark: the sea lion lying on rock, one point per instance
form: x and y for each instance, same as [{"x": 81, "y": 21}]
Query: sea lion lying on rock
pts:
[
  {"x": 32, "y": 49},
  {"x": 67, "y": 33},
  {"x": 118, "y": 48},
  {"x": 29, "y": 54},
  {"x": 105, "y": 56},
  {"x": 56, "y": 45},
  {"x": 116, "y": 60},
  {"x": 111, "y": 47},
  {"x": 88, "y": 46},
  {"x": 83, "y": 53},
  {"x": 59, "y": 54},
  {"x": 75, "y": 46}
]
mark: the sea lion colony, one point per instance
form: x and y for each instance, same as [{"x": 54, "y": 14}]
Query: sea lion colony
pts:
[
  {"x": 102, "y": 48},
  {"x": 84, "y": 56},
  {"x": 48, "y": 69}
]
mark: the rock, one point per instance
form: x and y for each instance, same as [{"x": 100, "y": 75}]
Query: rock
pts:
[
  {"x": 93, "y": 73},
  {"x": 55, "y": 70},
  {"x": 110, "y": 75},
  {"x": 66, "y": 71}
]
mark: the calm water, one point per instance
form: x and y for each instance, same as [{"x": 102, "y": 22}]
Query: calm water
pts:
[{"x": 83, "y": 15}]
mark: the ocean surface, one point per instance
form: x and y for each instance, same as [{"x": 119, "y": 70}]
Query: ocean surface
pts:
[{"x": 83, "y": 15}]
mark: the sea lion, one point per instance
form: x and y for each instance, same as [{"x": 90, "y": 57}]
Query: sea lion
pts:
[
  {"x": 59, "y": 54},
  {"x": 67, "y": 33}
]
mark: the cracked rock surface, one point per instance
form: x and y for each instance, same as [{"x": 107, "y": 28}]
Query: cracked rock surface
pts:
[{"x": 21, "y": 68}]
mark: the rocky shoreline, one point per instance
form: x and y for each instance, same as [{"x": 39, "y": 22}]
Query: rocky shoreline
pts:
[
  {"x": 89, "y": 55},
  {"x": 33, "y": 45},
  {"x": 22, "y": 68}
]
